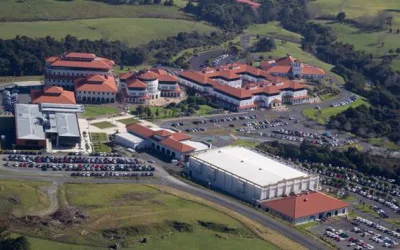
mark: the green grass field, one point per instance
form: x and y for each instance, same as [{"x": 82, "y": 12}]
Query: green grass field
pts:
[
  {"x": 31, "y": 10},
  {"x": 99, "y": 140},
  {"x": 204, "y": 110},
  {"x": 322, "y": 116},
  {"x": 382, "y": 142},
  {"x": 102, "y": 125},
  {"x": 20, "y": 198},
  {"x": 132, "y": 31},
  {"x": 92, "y": 111},
  {"x": 137, "y": 210},
  {"x": 128, "y": 121},
  {"x": 370, "y": 42},
  {"x": 273, "y": 29},
  {"x": 295, "y": 50}
]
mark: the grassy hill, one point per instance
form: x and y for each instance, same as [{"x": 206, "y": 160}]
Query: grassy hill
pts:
[
  {"x": 34, "y": 10},
  {"x": 133, "y": 31},
  {"x": 273, "y": 29}
]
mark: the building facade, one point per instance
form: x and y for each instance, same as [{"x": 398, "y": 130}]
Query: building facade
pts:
[
  {"x": 242, "y": 87},
  {"x": 248, "y": 175},
  {"x": 139, "y": 87},
  {"x": 89, "y": 76}
]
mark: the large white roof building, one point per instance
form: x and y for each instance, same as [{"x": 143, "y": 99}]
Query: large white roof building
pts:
[{"x": 248, "y": 175}]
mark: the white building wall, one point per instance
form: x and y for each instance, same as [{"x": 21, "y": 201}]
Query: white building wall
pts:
[{"x": 90, "y": 94}]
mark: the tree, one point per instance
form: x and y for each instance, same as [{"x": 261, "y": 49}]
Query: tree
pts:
[
  {"x": 341, "y": 16},
  {"x": 398, "y": 50},
  {"x": 265, "y": 45},
  {"x": 157, "y": 113},
  {"x": 148, "y": 112}
]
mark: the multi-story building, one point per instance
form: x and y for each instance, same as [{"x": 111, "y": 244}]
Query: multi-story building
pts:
[
  {"x": 243, "y": 87},
  {"x": 95, "y": 89},
  {"x": 291, "y": 67},
  {"x": 83, "y": 70},
  {"x": 138, "y": 87},
  {"x": 52, "y": 94}
]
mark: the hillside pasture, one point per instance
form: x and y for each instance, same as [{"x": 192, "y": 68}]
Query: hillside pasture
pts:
[
  {"x": 132, "y": 31},
  {"x": 39, "y": 10}
]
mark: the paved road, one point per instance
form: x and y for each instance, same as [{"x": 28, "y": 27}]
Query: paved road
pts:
[{"x": 168, "y": 180}]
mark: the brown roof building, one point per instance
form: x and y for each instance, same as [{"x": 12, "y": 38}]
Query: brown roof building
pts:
[
  {"x": 53, "y": 94},
  {"x": 307, "y": 207}
]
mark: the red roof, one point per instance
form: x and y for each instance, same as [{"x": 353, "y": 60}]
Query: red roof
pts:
[
  {"x": 78, "y": 55},
  {"x": 176, "y": 145},
  {"x": 162, "y": 133},
  {"x": 140, "y": 130},
  {"x": 167, "y": 78},
  {"x": 252, "y": 4},
  {"x": 197, "y": 77},
  {"x": 53, "y": 95},
  {"x": 284, "y": 65},
  {"x": 136, "y": 83},
  {"x": 235, "y": 92},
  {"x": 147, "y": 76},
  {"x": 96, "y": 83},
  {"x": 159, "y": 71},
  {"x": 305, "y": 205},
  {"x": 74, "y": 60},
  {"x": 180, "y": 136}
]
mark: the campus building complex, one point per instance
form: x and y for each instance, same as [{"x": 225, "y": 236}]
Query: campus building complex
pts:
[
  {"x": 242, "y": 87},
  {"x": 138, "y": 87},
  {"x": 289, "y": 66},
  {"x": 52, "y": 94},
  {"x": 40, "y": 124},
  {"x": 248, "y": 175},
  {"x": 169, "y": 143},
  {"x": 90, "y": 76}
]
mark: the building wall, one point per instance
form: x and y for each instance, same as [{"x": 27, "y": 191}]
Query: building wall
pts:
[
  {"x": 291, "y": 186},
  {"x": 128, "y": 143},
  {"x": 31, "y": 143},
  {"x": 87, "y": 96}
]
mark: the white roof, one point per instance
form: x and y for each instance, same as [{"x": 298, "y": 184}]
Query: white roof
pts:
[
  {"x": 129, "y": 137},
  {"x": 195, "y": 144},
  {"x": 249, "y": 165},
  {"x": 29, "y": 122}
]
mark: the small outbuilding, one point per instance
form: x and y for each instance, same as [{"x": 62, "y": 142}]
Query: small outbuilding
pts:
[{"x": 303, "y": 208}]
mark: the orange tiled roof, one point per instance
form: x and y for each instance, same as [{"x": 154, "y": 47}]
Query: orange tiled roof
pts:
[
  {"x": 305, "y": 205},
  {"x": 176, "y": 145},
  {"x": 311, "y": 70},
  {"x": 167, "y": 78},
  {"x": 162, "y": 133},
  {"x": 53, "y": 95},
  {"x": 136, "y": 83},
  {"x": 96, "y": 83},
  {"x": 147, "y": 76},
  {"x": 235, "y": 92},
  {"x": 80, "y": 55},
  {"x": 73, "y": 60},
  {"x": 180, "y": 136},
  {"x": 140, "y": 130},
  {"x": 197, "y": 77},
  {"x": 159, "y": 71}
]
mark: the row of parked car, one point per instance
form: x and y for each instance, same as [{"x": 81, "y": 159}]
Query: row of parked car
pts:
[
  {"x": 71, "y": 159},
  {"x": 377, "y": 237},
  {"x": 195, "y": 129},
  {"x": 387, "y": 203},
  {"x": 258, "y": 125},
  {"x": 109, "y": 174},
  {"x": 348, "y": 101}
]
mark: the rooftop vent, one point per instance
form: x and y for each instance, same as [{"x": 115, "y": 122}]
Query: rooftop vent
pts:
[
  {"x": 305, "y": 199},
  {"x": 242, "y": 161},
  {"x": 260, "y": 169}
]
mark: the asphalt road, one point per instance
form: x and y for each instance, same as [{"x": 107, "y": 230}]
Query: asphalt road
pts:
[{"x": 168, "y": 180}]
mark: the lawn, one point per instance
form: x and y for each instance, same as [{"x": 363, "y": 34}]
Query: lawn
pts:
[
  {"x": 328, "y": 96},
  {"x": 103, "y": 125},
  {"x": 128, "y": 121},
  {"x": 132, "y": 31},
  {"x": 163, "y": 112},
  {"x": 382, "y": 142},
  {"x": 167, "y": 221},
  {"x": 92, "y": 111},
  {"x": 245, "y": 143},
  {"x": 38, "y": 10},
  {"x": 273, "y": 29},
  {"x": 99, "y": 140},
  {"x": 322, "y": 116},
  {"x": 205, "y": 110},
  {"x": 370, "y": 42},
  {"x": 295, "y": 50},
  {"x": 24, "y": 197}
]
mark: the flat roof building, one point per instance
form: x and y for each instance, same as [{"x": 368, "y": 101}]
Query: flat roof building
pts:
[
  {"x": 248, "y": 175},
  {"x": 53, "y": 122},
  {"x": 306, "y": 207}
]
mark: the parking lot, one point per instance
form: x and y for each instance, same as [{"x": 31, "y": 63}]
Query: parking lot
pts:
[
  {"x": 354, "y": 234},
  {"x": 81, "y": 166}
]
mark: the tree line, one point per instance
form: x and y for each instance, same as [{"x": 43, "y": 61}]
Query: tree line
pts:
[
  {"x": 26, "y": 56},
  {"x": 352, "y": 158},
  {"x": 138, "y": 2}
]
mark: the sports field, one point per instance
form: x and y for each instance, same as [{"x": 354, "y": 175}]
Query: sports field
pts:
[
  {"x": 38, "y": 10},
  {"x": 131, "y": 31}
]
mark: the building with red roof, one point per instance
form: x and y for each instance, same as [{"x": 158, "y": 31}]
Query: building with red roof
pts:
[
  {"x": 96, "y": 89},
  {"x": 138, "y": 87},
  {"x": 169, "y": 143},
  {"x": 52, "y": 94},
  {"x": 305, "y": 207},
  {"x": 83, "y": 70},
  {"x": 242, "y": 87},
  {"x": 289, "y": 66}
]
